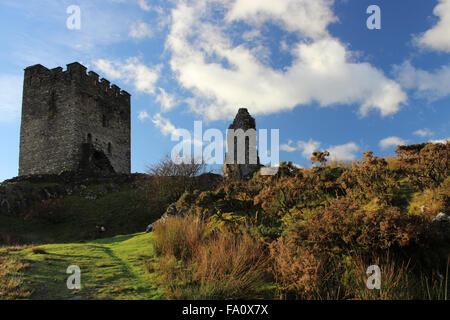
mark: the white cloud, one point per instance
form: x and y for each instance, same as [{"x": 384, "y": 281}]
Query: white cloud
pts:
[
  {"x": 163, "y": 124},
  {"x": 10, "y": 97},
  {"x": 310, "y": 18},
  {"x": 391, "y": 142},
  {"x": 222, "y": 76},
  {"x": 166, "y": 100},
  {"x": 143, "y": 115},
  {"x": 144, "y": 5},
  {"x": 167, "y": 128},
  {"x": 438, "y": 37},
  {"x": 430, "y": 85},
  {"x": 140, "y": 30},
  {"x": 423, "y": 132},
  {"x": 251, "y": 34},
  {"x": 131, "y": 71},
  {"x": 344, "y": 152},
  {"x": 308, "y": 147},
  {"x": 440, "y": 140},
  {"x": 288, "y": 147}
]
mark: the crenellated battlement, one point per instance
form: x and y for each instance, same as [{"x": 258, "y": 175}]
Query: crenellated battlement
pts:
[{"x": 78, "y": 73}]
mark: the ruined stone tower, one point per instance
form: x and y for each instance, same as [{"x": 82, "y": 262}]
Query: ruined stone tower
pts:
[
  {"x": 241, "y": 158},
  {"x": 71, "y": 121}
]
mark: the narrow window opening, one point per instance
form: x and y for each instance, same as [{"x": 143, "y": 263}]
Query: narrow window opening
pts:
[
  {"x": 109, "y": 148},
  {"x": 89, "y": 138}
]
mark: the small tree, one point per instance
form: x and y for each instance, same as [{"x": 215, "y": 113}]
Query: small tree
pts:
[
  {"x": 170, "y": 180},
  {"x": 320, "y": 157},
  {"x": 167, "y": 167}
]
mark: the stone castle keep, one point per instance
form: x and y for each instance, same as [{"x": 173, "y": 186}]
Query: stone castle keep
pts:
[{"x": 71, "y": 121}]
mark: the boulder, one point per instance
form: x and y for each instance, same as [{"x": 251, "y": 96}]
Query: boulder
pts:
[
  {"x": 171, "y": 210},
  {"x": 441, "y": 217}
]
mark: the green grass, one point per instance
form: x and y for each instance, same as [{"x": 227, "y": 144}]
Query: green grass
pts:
[
  {"x": 122, "y": 212},
  {"x": 111, "y": 268}
]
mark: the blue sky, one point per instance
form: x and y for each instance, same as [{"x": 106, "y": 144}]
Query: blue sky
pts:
[{"x": 310, "y": 68}]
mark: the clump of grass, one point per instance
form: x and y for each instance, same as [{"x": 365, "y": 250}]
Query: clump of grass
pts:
[
  {"x": 37, "y": 250},
  {"x": 179, "y": 237},
  {"x": 196, "y": 264},
  {"x": 11, "y": 286}
]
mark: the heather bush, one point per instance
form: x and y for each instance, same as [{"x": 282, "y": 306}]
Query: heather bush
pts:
[
  {"x": 370, "y": 178},
  {"x": 343, "y": 227},
  {"x": 316, "y": 230},
  {"x": 426, "y": 165}
]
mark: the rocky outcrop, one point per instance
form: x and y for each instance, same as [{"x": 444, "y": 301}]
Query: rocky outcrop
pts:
[
  {"x": 19, "y": 194},
  {"x": 232, "y": 169},
  {"x": 441, "y": 217},
  {"x": 171, "y": 211}
]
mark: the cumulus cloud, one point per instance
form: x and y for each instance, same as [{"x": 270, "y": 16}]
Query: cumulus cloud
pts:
[
  {"x": 438, "y": 37},
  {"x": 391, "y": 142},
  {"x": 140, "y": 30},
  {"x": 288, "y": 147},
  {"x": 167, "y": 128},
  {"x": 423, "y": 133},
  {"x": 308, "y": 147},
  {"x": 163, "y": 124},
  {"x": 143, "y": 115},
  {"x": 144, "y": 5},
  {"x": 440, "y": 140},
  {"x": 431, "y": 85},
  {"x": 131, "y": 71},
  {"x": 166, "y": 100},
  {"x": 223, "y": 76},
  {"x": 310, "y": 18},
  {"x": 344, "y": 152},
  {"x": 10, "y": 97}
]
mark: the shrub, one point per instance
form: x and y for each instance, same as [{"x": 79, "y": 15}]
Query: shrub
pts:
[
  {"x": 50, "y": 211},
  {"x": 426, "y": 164},
  {"x": 296, "y": 270},
  {"x": 372, "y": 178},
  {"x": 37, "y": 250},
  {"x": 303, "y": 273},
  {"x": 343, "y": 227}
]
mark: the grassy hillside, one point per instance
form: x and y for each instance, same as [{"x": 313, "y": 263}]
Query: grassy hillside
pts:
[
  {"x": 304, "y": 233},
  {"x": 121, "y": 205},
  {"x": 111, "y": 268},
  {"x": 74, "y": 218}
]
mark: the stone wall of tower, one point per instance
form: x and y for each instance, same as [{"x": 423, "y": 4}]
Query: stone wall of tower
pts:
[
  {"x": 63, "y": 111},
  {"x": 232, "y": 169}
]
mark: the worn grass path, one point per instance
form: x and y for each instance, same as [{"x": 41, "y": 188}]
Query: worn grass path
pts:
[{"x": 111, "y": 268}]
